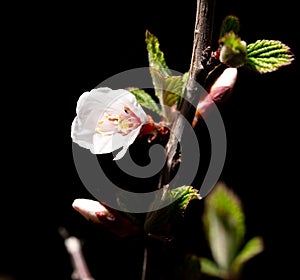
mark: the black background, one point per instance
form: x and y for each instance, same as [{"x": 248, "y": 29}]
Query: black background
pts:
[{"x": 53, "y": 53}]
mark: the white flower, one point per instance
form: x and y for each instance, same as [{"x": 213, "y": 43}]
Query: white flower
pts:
[{"x": 107, "y": 120}]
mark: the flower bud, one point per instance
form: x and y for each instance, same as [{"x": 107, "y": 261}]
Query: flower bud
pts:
[
  {"x": 221, "y": 88},
  {"x": 92, "y": 210},
  {"x": 234, "y": 57}
]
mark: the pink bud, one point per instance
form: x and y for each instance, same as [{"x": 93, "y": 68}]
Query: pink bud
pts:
[
  {"x": 222, "y": 87},
  {"x": 92, "y": 210}
]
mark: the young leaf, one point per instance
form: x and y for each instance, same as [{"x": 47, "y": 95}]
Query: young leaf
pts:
[
  {"x": 253, "y": 247},
  {"x": 233, "y": 52},
  {"x": 182, "y": 196},
  {"x": 230, "y": 23},
  {"x": 224, "y": 224},
  {"x": 158, "y": 82},
  {"x": 155, "y": 55},
  {"x": 157, "y": 66},
  {"x": 174, "y": 89},
  {"x": 145, "y": 99},
  {"x": 158, "y": 222},
  {"x": 209, "y": 267},
  {"x": 184, "y": 79},
  {"x": 266, "y": 56},
  {"x": 169, "y": 90}
]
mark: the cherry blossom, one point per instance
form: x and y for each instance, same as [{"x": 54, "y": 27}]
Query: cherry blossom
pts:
[{"x": 107, "y": 120}]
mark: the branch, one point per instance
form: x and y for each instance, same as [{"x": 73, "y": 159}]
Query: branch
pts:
[{"x": 197, "y": 74}]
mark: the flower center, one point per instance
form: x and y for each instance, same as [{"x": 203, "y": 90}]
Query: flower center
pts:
[{"x": 122, "y": 123}]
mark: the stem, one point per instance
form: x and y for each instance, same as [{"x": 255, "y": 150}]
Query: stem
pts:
[
  {"x": 144, "y": 264},
  {"x": 73, "y": 246},
  {"x": 197, "y": 75}
]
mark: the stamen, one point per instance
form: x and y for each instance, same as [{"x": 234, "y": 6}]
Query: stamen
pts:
[
  {"x": 122, "y": 123},
  {"x": 114, "y": 118}
]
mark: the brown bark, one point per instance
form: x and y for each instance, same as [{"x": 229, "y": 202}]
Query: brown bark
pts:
[{"x": 197, "y": 74}]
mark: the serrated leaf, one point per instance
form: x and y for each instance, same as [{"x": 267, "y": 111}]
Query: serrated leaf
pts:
[
  {"x": 266, "y": 56},
  {"x": 253, "y": 247},
  {"x": 169, "y": 90},
  {"x": 145, "y": 99},
  {"x": 155, "y": 55},
  {"x": 182, "y": 196},
  {"x": 158, "y": 80},
  {"x": 174, "y": 88},
  {"x": 158, "y": 222},
  {"x": 224, "y": 224},
  {"x": 210, "y": 268},
  {"x": 230, "y": 23},
  {"x": 158, "y": 83}
]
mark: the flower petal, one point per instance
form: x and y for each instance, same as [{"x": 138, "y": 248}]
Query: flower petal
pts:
[{"x": 107, "y": 120}]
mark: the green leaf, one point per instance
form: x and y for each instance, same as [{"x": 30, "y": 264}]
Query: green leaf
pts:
[
  {"x": 174, "y": 89},
  {"x": 224, "y": 224},
  {"x": 233, "y": 51},
  {"x": 158, "y": 222},
  {"x": 266, "y": 56},
  {"x": 169, "y": 90},
  {"x": 182, "y": 196},
  {"x": 184, "y": 79},
  {"x": 209, "y": 267},
  {"x": 155, "y": 55},
  {"x": 145, "y": 99},
  {"x": 158, "y": 83},
  {"x": 230, "y": 23},
  {"x": 253, "y": 247}
]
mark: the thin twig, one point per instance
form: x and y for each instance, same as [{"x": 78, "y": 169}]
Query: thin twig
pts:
[
  {"x": 197, "y": 74},
  {"x": 73, "y": 246},
  {"x": 144, "y": 272}
]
